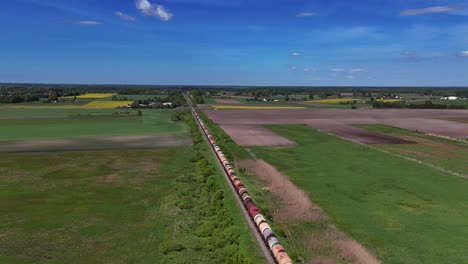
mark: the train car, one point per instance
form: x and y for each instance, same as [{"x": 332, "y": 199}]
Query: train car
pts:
[{"x": 270, "y": 238}]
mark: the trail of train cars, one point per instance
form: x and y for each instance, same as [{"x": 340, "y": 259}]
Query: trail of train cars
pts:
[{"x": 267, "y": 233}]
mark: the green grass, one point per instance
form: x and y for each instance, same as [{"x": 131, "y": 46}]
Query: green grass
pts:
[
  {"x": 445, "y": 153},
  {"x": 45, "y": 112},
  {"x": 88, "y": 207},
  {"x": 402, "y": 211},
  {"x": 449, "y": 102},
  {"x": 119, "y": 207},
  {"x": 152, "y": 121}
]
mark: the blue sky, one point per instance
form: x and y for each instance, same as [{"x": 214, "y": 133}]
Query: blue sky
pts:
[{"x": 235, "y": 42}]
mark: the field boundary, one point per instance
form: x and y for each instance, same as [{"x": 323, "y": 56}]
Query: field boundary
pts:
[{"x": 398, "y": 155}]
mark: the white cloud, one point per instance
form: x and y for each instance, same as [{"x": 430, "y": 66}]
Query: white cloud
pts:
[
  {"x": 125, "y": 16},
  {"x": 292, "y": 68},
  {"x": 306, "y": 14},
  {"x": 337, "y": 70},
  {"x": 149, "y": 9},
  {"x": 295, "y": 54},
  {"x": 463, "y": 53},
  {"x": 355, "y": 70},
  {"x": 79, "y": 22},
  {"x": 431, "y": 10},
  {"x": 350, "y": 77},
  {"x": 308, "y": 69}
]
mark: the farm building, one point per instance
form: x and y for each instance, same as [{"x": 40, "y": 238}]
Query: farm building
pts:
[{"x": 451, "y": 98}]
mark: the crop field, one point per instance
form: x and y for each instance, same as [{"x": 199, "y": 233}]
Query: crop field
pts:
[
  {"x": 403, "y": 211},
  {"x": 106, "y": 104},
  {"x": 86, "y": 207},
  {"x": 389, "y": 100},
  {"x": 136, "y": 97},
  {"x": 450, "y": 102},
  {"x": 91, "y": 96},
  {"x": 336, "y": 100},
  {"x": 142, "y": 198},
  {"x": 90, "y": 105},
  {"x": 447, "y": 154},
  {"x": 250, "y": 107},
  {"x": 340, "y": 122},
  {"x": 27, "y": 128},
  {"x": 18, "y": 113}
]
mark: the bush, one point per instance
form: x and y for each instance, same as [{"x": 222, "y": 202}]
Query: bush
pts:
[{"x": 168, "y": 248}]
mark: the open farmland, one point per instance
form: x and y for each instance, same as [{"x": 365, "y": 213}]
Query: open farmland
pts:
[
  {"x": 91, "y": 96},
  {"x": 402, "y": 211},
  {"x": 88, "y": 105},
  {"x": 340, "y": 121},
  {"x": 111, "y": 207},
  {"x": 385, "y": 202},
  {"x": 446, "y": 154},
  {"x": 85, "y": 125},
  {"x": 251, "y": 107},
  {"x": 142, "y": 198}
]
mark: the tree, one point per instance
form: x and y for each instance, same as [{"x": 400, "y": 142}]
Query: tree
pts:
[{"x": 53, "y": 96}]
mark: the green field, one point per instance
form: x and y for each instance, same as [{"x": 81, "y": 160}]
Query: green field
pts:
[
  {"x": 445, "y": 153},
  {"x": 87, "y": 207},
  {"x": 12, "y": 113},
  {"x": 165, "y": 205},
  {"x": 402, "y": 211},
  {"x": 449, "y": 102},
  {"x": 100, "y": 123},
  {"x": 136, "y": 97}
]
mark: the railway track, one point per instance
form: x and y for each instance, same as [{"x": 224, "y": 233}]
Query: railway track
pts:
[{"x": 270, "y": 246}]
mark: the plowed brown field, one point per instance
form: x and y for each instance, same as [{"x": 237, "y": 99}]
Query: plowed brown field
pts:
[{"x": 246, "y": 126}]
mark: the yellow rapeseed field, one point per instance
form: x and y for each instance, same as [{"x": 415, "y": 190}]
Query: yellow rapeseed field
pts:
[
  {"x": 251, "y": 107},
  {"x": 388, "y": 100},
  {"x": 334, "y": 100},
  {"x": 92, "y": 96}
]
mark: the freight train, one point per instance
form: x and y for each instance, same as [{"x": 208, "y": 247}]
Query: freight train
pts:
[{"x": 267, "y": 233}]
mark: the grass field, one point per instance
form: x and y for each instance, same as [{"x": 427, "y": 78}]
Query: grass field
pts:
[
  {"x": 87, "y": 207},
  {"x": 448, "y": 154},
  {"x": 12, "y": 113},
  {"x": 87, "y": 105},
  {"x": 91, "y": 96},
  {"x": 403, "y": 211},
  {"x": 251, "y": 107},
  {"x": 450, "y": 102},
  {"x": 336, "y": 100},
  {"x": 136, "y": 97},
  {"x": 119, "y": 206},
  {"x": 152, "y": 122}
]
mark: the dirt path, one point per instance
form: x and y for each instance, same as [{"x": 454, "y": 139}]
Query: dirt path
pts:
[{"x": 329, "y": 244}]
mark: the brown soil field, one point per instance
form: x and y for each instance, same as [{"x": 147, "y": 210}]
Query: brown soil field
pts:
[
  {"x": 461, "y": 120},
  {"x": 227, "y": 101},
  {"x": 339, "y": 121},
  {"x": 329, "y": 244},
  {"x": 95, "y": 143},
  {"x": 357, "y": 135},
  {"x": 251, "y": 135}
]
